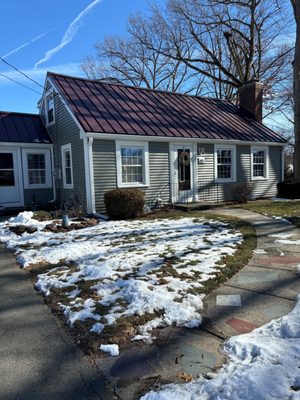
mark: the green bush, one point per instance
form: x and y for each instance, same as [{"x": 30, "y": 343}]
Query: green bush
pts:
[{"x": 124, "y": 203}]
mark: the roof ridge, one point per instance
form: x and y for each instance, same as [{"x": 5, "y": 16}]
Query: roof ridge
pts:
[
  {"x": 96, "y": 81},
  {"x": 20, "y": 113}
]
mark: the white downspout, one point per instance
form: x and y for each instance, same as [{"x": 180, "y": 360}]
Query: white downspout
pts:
[{"x": 89, "y": 174}]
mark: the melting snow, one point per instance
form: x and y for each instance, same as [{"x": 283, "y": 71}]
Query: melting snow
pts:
[
  {"x": 111, "y": 349},
  {"x": 263, "y": 364},
  {"x": 154, "y": 267}
]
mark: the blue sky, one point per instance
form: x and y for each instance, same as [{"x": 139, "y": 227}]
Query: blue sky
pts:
[{"x": 66, "y": 29}]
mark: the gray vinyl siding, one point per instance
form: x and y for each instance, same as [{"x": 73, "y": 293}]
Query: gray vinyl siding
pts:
[
  {"x": 65, "y": 131},
  {"x": 159, "y": 169},
  {"x": 105, "y": 171},
  {"x": 209, "y": 190},
  {"x": 40, "y": 196},
  {"x": 268, "y": 187}
]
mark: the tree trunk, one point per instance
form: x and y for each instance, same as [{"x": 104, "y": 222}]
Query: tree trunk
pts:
[{"x": 297, "y": 93}]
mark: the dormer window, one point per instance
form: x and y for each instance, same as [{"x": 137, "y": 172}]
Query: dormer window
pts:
[{"x": 50, "y": 109}]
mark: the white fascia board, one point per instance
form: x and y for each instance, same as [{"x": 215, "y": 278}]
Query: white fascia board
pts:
[
  {"x": 115, "y": 136},
  {"x": 39, "y": 145},
  {"x": 63, "y": 101}
]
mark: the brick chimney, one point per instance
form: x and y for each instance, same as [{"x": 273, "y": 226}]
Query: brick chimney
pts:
[{"x": 251, "y": 99}]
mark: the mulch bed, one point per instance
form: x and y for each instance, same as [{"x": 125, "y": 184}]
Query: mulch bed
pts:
[{"x": 55, "y": 226}]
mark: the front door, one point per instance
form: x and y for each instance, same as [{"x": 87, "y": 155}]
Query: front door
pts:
[
  {"x": 10, "y": 178},
  {"x": 184, "y": 185}
]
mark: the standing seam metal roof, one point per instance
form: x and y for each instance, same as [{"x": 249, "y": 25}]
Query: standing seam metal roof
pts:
[
  {"x": 22, "y": 128},
  {"x": 120, "y": 109}
]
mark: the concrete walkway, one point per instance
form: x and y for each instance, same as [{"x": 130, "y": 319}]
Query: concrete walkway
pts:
[
  {"x": 263, "y": 290},
  {"x": 38, "y": 361}
]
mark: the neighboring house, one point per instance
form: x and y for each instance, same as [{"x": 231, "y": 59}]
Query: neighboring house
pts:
[
  {"x": 25, "y": 161},
  {"x": 174, "y": 147}
]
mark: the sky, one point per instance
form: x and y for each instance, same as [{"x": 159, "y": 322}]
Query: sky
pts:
[{"x": 52, "y": 35}]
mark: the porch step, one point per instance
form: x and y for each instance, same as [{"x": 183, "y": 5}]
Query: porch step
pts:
[{"x": 199, "y": 205}]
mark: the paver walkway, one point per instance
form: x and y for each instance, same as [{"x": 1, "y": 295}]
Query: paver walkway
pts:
[
  {"x": 38, "y": 361},
  {"x": 263, "y": 290}
]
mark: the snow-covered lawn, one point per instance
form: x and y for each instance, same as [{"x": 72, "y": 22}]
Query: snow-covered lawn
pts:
[
  {"x": 263, "y": 365},
  {"x": 122, "y": 269}
]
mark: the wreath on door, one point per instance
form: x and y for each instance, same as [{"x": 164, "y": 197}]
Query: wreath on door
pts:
[{"x": 184, "y": 158}]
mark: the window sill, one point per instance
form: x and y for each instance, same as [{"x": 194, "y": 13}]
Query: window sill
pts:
[
  {"x": 259, "y": 178},
  {"x": 132, "y": 185},
  {"x": 225, "y": 180},
  {"x": 68, "y": 186},
  {"x": 48, "y": 124},
  {"x": 36, "y": 186}
]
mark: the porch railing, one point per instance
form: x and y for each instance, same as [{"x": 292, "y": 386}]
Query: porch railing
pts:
[{"x": 210, "y": 191}]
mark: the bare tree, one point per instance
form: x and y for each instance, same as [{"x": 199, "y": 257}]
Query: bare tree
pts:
[
  {"x": 131, "y": 62},
  {"x": 296, "y": 68},
  {"x": 232, "y": 42},
  {"x": 208, "y": 47}
]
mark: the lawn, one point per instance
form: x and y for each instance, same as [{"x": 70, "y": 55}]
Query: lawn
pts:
[
  {"x": 133, "y": 277},
  {"x": 289, "y": 210}
]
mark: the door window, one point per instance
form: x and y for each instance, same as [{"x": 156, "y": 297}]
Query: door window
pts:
[
  {"x": 7, "y": 177},
  {"x": 184, "y": 169}
]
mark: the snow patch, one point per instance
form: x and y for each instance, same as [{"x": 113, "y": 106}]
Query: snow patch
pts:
[{"x": 111, "y": 349}]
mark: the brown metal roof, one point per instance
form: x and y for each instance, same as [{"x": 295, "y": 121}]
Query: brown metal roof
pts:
[
  {"x": 22, "y": 128},
  {"x": 115, "y": 108}
]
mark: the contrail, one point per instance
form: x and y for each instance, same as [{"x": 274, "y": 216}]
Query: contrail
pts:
[
  {"x": 27, "y": 43},
  {"x": 69, "y": 33}
]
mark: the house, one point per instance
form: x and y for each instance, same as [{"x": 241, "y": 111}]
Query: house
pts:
[
  {"x": 174, "y": 147},
  {"x": 26, "y": 176}
]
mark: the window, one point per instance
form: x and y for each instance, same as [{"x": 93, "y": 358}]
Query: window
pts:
[
  {"x": 37, "y": 168},
  {"x": 225, "y": 168},
  {"x": 66, "y": 154},
  {"x": 7, "y": 177},
  {"x": 132, "y": 164},
  {"x": 50, "y": 109},
  {"x": 259, "y": 162}
]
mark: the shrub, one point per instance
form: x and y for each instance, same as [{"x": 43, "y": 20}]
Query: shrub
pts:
[
  {"x": 42, "y": 215},
  {"x": 124, "y": 203},
  {"x": 289, "y": 190},
  {"x": 243, "y": 191}
]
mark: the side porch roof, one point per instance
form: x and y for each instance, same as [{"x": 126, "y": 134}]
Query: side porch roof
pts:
[{"x": 22, "y": 128}]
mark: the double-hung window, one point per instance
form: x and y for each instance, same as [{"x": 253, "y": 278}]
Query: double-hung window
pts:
[
  {"x": 259, "y": 163},
  {"x": 50, "y": 116},
  {"x": 225, "y": 164},
  {"x": 66, "y": 155},
  {"x": 37, "y": 168},
  {"x": 132, "y": 164}
]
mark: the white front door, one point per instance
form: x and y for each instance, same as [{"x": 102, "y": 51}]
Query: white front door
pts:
[
  {"x": 184, "y": 172},
  {"x": 11, "y": 194}
]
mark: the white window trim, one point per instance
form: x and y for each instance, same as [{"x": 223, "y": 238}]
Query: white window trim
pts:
[
  {"x": 225, "y": 147},
  {"x": 48, "y": 172},
  {"x": 64, "y": 149},
  {"x": 146, "y": 179},
  {"x": 266, "y": 150},
  {"x": 47, "y": 94}
]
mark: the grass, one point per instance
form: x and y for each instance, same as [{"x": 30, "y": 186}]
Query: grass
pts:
[{"x": 289, "y": 210}]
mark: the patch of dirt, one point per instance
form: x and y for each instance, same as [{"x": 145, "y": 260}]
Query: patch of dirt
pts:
[
  {"x": 20, "y": 229},
  {"x": 78, "y": 223}
]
